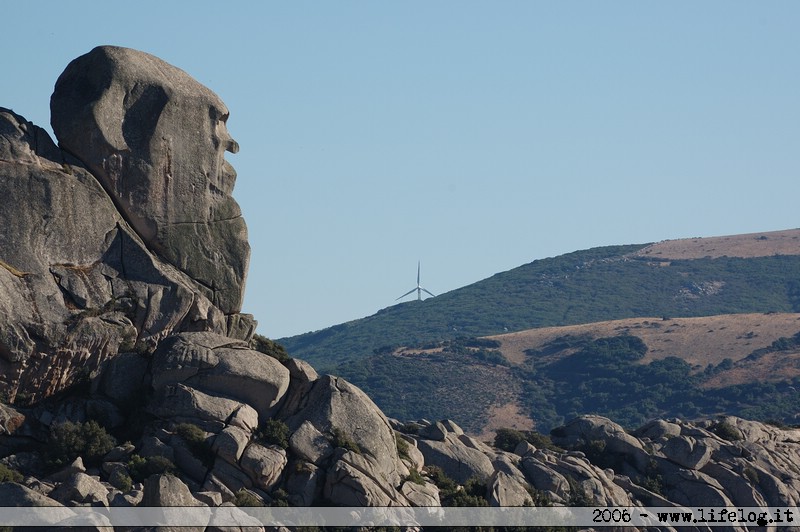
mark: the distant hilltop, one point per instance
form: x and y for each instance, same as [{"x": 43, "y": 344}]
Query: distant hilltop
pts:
[
  {"x": 744, "y": 246},
  {"x": 755, "y": 272}
]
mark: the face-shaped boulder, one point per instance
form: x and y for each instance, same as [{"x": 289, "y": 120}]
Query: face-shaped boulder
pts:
[{"x": 156, "y": 139}]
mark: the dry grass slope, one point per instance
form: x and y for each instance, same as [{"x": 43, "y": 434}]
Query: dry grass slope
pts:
[
  {"x": 744, "y": 246},
  {"x": 698, "y": 341}
]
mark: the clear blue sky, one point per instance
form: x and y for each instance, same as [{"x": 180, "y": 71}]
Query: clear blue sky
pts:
[{"x": 473, "y": 136}]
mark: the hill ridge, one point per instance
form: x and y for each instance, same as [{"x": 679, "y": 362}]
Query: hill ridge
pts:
[
  {"x": 609, "y": 282},
  {"x": 747, "y": 245}
]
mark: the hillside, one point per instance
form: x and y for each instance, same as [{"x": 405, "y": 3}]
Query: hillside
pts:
[
  {"x": 698, "y": 341},
  {"x": 744, "y": 246},
  {"x": 677, "y": 278},
  {"x": 713, "y": 315},
  {"x": 628, "y": 370}
]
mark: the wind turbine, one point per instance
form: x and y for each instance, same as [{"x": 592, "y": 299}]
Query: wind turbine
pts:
[{"x": 418, "y": 289}]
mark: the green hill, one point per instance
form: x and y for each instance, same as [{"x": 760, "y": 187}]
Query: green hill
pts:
[{"x": 585, "y": 286}]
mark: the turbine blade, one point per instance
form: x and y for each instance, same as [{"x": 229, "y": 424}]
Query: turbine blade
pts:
[
  {"x": 418, "y": 263},
  {"x": 407, "y": 293},
  {"x": 427, "y": 292}
]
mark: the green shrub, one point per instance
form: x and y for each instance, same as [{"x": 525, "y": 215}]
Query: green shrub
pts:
[
  {"x": 442, "y": 481},
  {"x": 654, "y": 483},
  {"x": 726, "y": 431},
  {"x": 752, "y": 475},
  {"x": 340, "y": 439},
  {"x": 141, "y": 468},
  {"x": 578, "y": 495},
  {"x": 9, "y": 475},
  {"x": 262, "y": 344},
  {"x": 195, "y": 439},
  {"x": 121, "y": 480},
  {"x": 191, "y": 433},
  {"x": 70, "y": 440},
  {"x": 541, "y": 441},
  {"x": 415, "y": 477},
  {"x": 652, "y": 479},
  {"x": 507, "y": 439},
  {"x": 280, "y": 498},
  {"x": 539, "y": 498},
  {"x": 247, "y": 498},
  {"x": 473, "y": 493},
  {"x": 410, "y": 428},
  {"x": 595, "y": 451},
  {"x": 402, "y": 447},
  {"x": 274, "y": 432}
]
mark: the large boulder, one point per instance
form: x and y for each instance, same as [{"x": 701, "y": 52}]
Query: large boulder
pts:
[
  {"x": 230, "y": 444},
  {"x": 352, "y": 480},
  {"x": 334, "y": 406},
  {"x": 16, "y": 495},
  {"x": 156, "y": 138},
  {"x": 181, "y": 402},
  {"x": 302, "y": 483},
  {"x": 693, "y": 488},
  {"x": 505, "y": 490},
  {"x": 458, "y": 461},
  {"x": 169, "y": 491},
  {"x": 124, "y": 233},
  {"x": 81, "y": 488},
  {"x": 263, "y": 464},
  {"x": 218, "y": 364},
  {"x": 77, "y": 284},
  {"x": 615, "y": 441},
  {"x": 687, "y": 451},
  {"x": 424, "y": 494}
]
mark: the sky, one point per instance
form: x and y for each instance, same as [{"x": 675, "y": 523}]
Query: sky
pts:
[{"x": 471, "y": 136}]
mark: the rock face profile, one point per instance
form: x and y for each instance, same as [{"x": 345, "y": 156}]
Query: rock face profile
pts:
[
  {"x": 124, "y": 233},
  {"x": 156, "y": 139},
  {"x": 123, "y": 259}
]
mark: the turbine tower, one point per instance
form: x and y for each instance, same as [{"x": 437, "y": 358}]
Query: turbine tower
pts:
[{"x": 418, "y": 289}]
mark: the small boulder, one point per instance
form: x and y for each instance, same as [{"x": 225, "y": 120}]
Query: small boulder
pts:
[
  {"x": 230, "y": 444},
  {"x": 310, "y": 444},
  {"x": 82, "y": 489},
  {"x": 505, "y": 490},
  {"x": 687, "y": 452},
  {"x": 423, "y": 495},
  {"x": 263, "y": 465},
  {"x": 435, "y": 431},
  {"x": 75, "y": 467},
  {"x": 167, "y": 490},
  {"x": 658, "y": 429},
  {"x": 452, "y": 427},
  {"x": 302, "y": 483},
  {"x": 228, "y": 475},
  {"x": 16, "y": 495}
]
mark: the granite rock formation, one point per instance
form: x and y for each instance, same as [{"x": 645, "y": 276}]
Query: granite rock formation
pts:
[
  {"x": 122, "y": 264},
  {"x": 124, "y": 233},
  {"x": 155, "y": 139}
]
